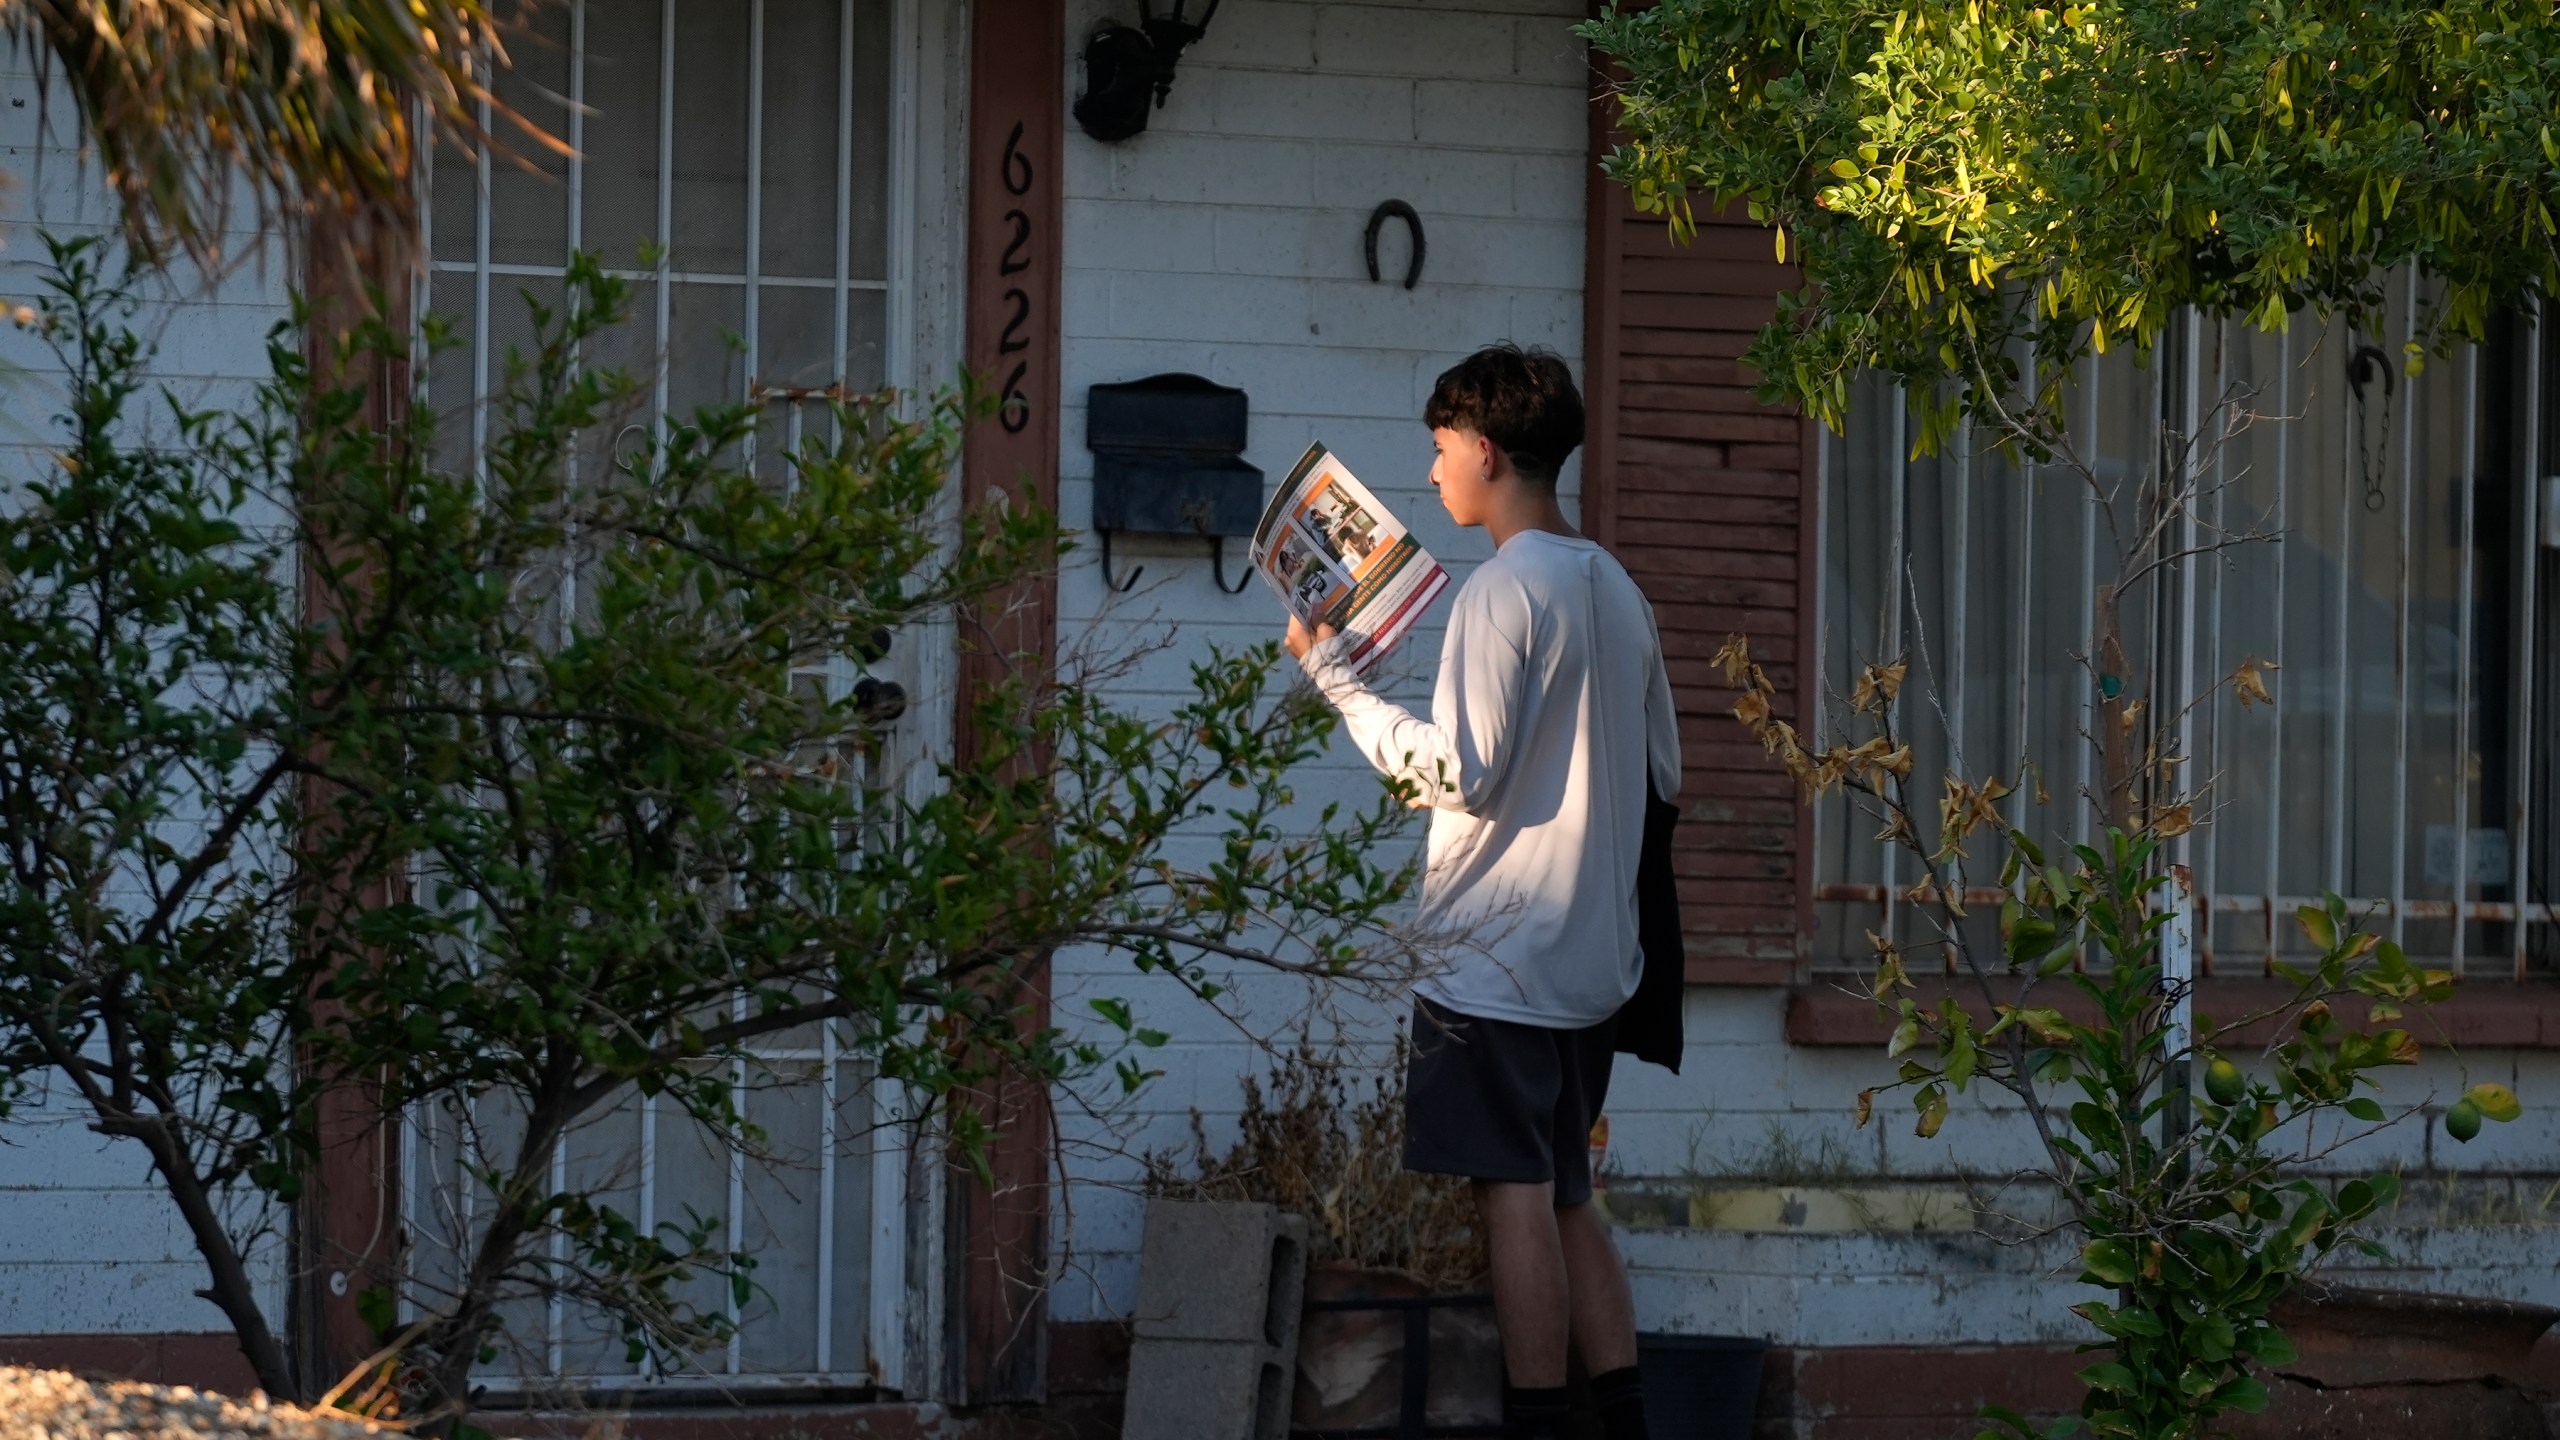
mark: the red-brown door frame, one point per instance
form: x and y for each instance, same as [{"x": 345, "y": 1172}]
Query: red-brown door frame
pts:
[{"x": 999, "y": 1233}]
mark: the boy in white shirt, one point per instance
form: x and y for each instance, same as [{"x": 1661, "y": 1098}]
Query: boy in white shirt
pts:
[{"x": 1551, "y": 717}]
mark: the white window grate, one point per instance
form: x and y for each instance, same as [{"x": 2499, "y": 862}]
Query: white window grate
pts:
[
  {"x": 756, "y": 141},
  {"x": 2398, "y": 765}
]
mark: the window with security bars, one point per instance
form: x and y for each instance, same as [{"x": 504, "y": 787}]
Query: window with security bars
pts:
[
  {"x": 732, "y": 160},
  {"x": 2374, "y": 539}
]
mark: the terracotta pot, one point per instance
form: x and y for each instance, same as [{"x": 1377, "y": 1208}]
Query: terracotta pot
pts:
[{"x": 1351, "y": 1359}]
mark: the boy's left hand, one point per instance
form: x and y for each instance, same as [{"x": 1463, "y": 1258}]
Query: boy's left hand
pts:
[{"x": 1300, "y": 639}]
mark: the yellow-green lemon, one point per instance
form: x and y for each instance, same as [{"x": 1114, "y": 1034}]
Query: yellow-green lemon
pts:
[{"x": 2224, "y": 1082}]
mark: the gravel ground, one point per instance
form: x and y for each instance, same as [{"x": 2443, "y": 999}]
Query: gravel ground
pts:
[{"x": 55, "y": 1405}]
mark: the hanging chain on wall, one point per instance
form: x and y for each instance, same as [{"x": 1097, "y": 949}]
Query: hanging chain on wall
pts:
[{"x": 2363, "y": 364}]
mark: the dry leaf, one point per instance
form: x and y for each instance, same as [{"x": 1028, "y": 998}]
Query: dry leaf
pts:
[
  {"x": 1734, "y": 659},
  {"x": 2249, "y": 682}
]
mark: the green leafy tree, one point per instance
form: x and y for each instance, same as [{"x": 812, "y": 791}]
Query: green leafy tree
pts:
[
  {"x": 550, "y": 806},
  {"x": 1959, "y": 182}
]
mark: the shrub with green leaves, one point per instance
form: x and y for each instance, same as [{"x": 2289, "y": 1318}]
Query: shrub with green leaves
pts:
[
  {"x": 568, "y": 808},
  {"x": 2193, "y": 1208}
]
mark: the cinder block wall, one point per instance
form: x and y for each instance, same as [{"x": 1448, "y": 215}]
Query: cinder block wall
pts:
[
  {"x": 1226, "y": 241},
  {"x": 89, "y": 1243}
]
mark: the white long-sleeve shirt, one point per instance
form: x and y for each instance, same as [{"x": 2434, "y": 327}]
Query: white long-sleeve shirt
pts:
[{"x": 1552, "y": 713}]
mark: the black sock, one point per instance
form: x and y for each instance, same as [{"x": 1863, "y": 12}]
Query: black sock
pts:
[
  {"x": 1533, "y": 1414},
  {"x": 1620, "y": 1396}
]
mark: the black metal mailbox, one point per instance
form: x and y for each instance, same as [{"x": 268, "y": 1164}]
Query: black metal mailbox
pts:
[{"x": 1168, "y": 460}]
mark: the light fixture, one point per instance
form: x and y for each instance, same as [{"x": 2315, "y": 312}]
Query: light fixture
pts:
[{"x": 1128, "y": 72}]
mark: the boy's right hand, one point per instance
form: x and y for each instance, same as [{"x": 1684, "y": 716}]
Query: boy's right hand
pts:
[{"x": 1300, "y": 639}]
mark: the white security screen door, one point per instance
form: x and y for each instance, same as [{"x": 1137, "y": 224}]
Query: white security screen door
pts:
[{"x": 736, "y": 161}]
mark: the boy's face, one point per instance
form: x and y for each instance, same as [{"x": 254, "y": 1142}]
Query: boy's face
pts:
[{"x": 1463, "y": 474}]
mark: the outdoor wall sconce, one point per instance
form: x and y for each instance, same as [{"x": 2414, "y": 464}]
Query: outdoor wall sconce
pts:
[
  {"x": 1128, "y": 72},
  {"x": 1168, "y": 460}
]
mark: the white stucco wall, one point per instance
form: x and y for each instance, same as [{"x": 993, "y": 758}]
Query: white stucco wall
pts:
[
  {"x": 89, "y": 1243},
  {"x": 1226, "y": 241}
]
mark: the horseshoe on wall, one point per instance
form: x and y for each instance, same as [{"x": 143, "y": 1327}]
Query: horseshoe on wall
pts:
[{"x": 1413, "y": 223}]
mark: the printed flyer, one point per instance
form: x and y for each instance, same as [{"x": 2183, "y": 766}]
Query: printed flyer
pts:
[{"x": 1336, "y": 556}]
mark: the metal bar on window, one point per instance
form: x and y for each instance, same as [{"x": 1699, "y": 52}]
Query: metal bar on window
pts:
[
  {"x": 555, "y": 1317},
  {"x": 658, "y": 412},
  {"x": 666, "y": 198},
  {"x": 844, "y": 204},
  {"x": 2521, "y": 752},
  {"x": 2400, "y": 632},
  {"x": 2208, "y": 871},
  {"x": 733, "y": 1232},
  {"x": 898, "y": 357},
  {"x": 577, "y": 124},
  {"x": 2029, "y": 482},
  {"x": 2082, "y": 801},
  {"x": 1892, "y": 617},
  {"x": 826, "y": 1195},
  {"x": 2351, "y": 435},
  {"x": 1825, "y": 500},
  {"x": 2178, "y": 940},
  {"x": 422, "y": 293},
  {"x": 2275, "y": 752},
  {"x": 648, "y": 1190},
  {"x": 753, "y": 332},
  {"x": 2460, "y": 767},
  {"x": 480, "y": 302},
  {"x": 1955, "y": 575},
  {"x": 555, "y": 1310},
  {"x": 681, "y": 277},
  {"x": 1953, "y": 580}
]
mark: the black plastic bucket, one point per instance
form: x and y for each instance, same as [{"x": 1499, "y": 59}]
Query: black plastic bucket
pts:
[{"x": 1700, "y": 1387}]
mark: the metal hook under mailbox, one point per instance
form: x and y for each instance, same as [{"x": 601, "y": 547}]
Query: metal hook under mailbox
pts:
[
  {"x": 1413, "y": 223},
  {"x": 1217, "y": 568}
]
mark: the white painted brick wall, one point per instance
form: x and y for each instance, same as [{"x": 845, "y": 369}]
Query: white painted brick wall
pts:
[
  {"x": 1226, "y": 241},
  {"x": 89, "y": 1242}
]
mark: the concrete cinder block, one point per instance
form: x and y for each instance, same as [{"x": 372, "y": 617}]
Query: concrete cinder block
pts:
[
  {"x": 1219, "y": 1291},
  {"x": 1220, "y": 1272},
  {"x": 1205, "y": 1390}
]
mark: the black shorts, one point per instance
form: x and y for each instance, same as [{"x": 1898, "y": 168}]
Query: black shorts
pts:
[{"x": 1500, "y": 1100}]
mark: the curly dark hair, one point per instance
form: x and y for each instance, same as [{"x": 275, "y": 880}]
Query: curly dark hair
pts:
[{"x": 1521, "y": 400}]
